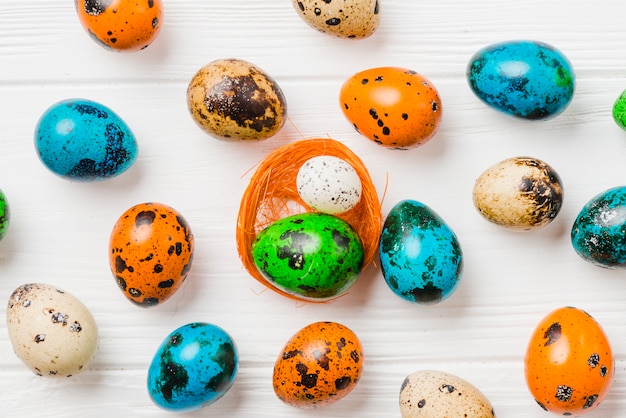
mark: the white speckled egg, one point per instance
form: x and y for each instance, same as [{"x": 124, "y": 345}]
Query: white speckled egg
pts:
[
  {"x": 329, "y": 184},
  {"x": 51, "y": 331},
  {"x": 519, "y": 193},
  {"x": 436, "y": 394},
  {"x": 340, "y": 18}
]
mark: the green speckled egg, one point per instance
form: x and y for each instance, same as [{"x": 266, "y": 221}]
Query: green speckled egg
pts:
[
  {"x": 312, "y": 256},
  {"x": 619, "y": 110}
]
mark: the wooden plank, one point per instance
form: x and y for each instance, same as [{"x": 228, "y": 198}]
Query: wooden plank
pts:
[{"x": 59, "y": 230}]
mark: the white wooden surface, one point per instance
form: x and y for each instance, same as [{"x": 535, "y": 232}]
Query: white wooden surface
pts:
[{"x": 59, "y": 231}]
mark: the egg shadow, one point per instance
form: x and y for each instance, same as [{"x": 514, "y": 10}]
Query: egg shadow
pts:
[
  {"x": 231, "y": 401},
  {"x": 9, "y": 246},
  {"x": 364, "y": 288},
  {"x": 96, "y": 192},
  {"x": 192, "y": 290}
]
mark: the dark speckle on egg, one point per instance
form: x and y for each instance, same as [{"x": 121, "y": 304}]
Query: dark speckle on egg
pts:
[
  {"x": 563, "y": 393},
  {"x": 174, "y": 377},
  {"x": 95, "y": 7},
  {"x": 241, "y": 100},
  {"x": 553, "y": 333}
]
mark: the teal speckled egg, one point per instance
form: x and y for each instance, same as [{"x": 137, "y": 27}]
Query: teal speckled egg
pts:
[
  {"x": 526, "y": 79},
  {"x": 312, "y": 256},
  {"x": 599, "y": 231},
  {"x": 193, "y": 367},
  {"x": 420, "y": 255}
]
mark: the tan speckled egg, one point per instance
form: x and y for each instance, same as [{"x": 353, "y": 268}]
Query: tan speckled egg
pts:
[
  {"x": 341, "y": 18},
  {"x": 51, "y": 331},
  {"x": 519, "y": 193},
  {"x": 234, "y": 100},
  {"x": 436, "y": 394}
]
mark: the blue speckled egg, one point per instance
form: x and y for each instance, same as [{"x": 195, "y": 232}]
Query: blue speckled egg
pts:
[
  {"x": 599, "y": 231},
  {"x": 82, "y": 140},
  {"x": 311, "y": 256},
  {"x": 526, "y": 79},
  {"x": 420, "y": 255},
  {"x": 194, "y": 366}
]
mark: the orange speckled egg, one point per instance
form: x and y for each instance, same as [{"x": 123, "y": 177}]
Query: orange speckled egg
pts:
[
  {"x": 150, "y": 253},
  {"x": 319, "y": 365},
  {"x": 569, "y": 362},
  {"x": 121, "y": 25},
  {"x": 394, "y": 107}
]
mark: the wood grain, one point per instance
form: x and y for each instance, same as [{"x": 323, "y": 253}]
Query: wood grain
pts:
[{"x": 59, "y": 231}]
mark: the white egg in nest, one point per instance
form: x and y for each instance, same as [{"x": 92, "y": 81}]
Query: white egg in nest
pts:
[{"x": 329, "y": 184}]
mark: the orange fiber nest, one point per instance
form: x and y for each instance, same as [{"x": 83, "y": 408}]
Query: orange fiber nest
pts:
[{"x": 272, "y": 195}]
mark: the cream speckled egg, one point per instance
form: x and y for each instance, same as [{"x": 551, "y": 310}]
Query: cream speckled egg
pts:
[
  {"x": 340, "y": 18},
  {"x": 436, "y": 394},
  {"x": 234, "y": 100},
  {"x": 329, "y": 184},
  {"x": 51, "y": 331},
  {"x": 519, "y": 193}
]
